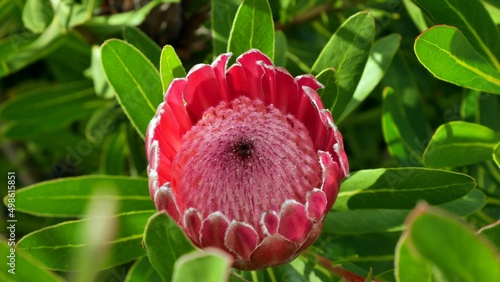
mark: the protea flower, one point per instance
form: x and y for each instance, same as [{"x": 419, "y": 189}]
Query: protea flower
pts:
[{"x": 246, "y": 159}]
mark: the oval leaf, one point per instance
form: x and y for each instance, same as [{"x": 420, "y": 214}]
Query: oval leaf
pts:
[
  {"x": 69, "y": 197},
  {"x": 473, "y": 20},
  {"x": 447, "y": 54},
  {"x": 402, "y": 188},
  {"x": 210, "y": 265},
  {"x": 253, "y": 27},
  {"x": 165, "y": 243},
  {"x": 460, "y": 143},
  {"x": 135, "y": 81},
  {"x": 144, "y": 43},
  {"x": 60, "y": 246},
  {"x": 453, "y": 250}
]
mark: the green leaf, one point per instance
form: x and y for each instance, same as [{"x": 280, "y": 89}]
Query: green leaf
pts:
[
  {"x": 402, "y": 188},
  {"x": 68, "y": 197},
  {"x": 473, "y": 20},
  {"x": 409, "y": 266},
  {"x": 460, "y": 143},
  {"x": 142, "y": 270},
  {"x": 59, "y": 245},
  {"x": 170, "y": 66},
  {"x": 144, "y": 43},
  {"x": 116, "y": 22},
  {"x": 47, "y": 108},
  {"x": 447, "y": 54},
  {"x": 23, "y": 267},
  {"x": 329, "y": 93},
  {"x": 378, "y": 62},
  {"x": 101, "y": 85},
  {"x": 281, "y": 49},
  {"x": 113, "y": 154},
  {"x": 388, "y": 220},
  {"x": 415, "y": 14},
  {"x": 253, "y": 27},
  {"x": 496, "y": 154},
  {"x": 210, "y": 265},
  {"x": 37, "y": 15},
  {"x": 451, "y": 249},
  {"x": 347, "y": 52},
  {"x": 165, "y": 242},
  {"x": 402, "y": 78},
  {"x": 223, "y": 13},
  {"x": 402, "y": 142},
  {"x": 134, "y": 79}
]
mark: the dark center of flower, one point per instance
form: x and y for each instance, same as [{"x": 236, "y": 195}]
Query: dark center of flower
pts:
[
  {"x": 242, "y": 148},
  {"x": 244, "y": 158}
]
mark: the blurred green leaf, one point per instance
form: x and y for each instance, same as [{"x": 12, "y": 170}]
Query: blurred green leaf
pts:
[
  {"x": 496, "y": 154},
  {"x": 380, "y": 59},
  {"x": 37, "y": 15},
  {"x": 449, "y": 247},
  {"x": 402, "y": 142},
  {"x": 415, "y": 14},
  {"x": 134, "y": 79},
  {"x": 447, "y": 54},
  {"x": 69, "y": 197},
  {"x": 281, "y": 49},
  {"x": 210, "y": 265},
  {"x": 460, "y": 143},
  {"x": 223, "y": 13},
  {"x": 24, "y": 266},
  {"x": 115, "y": 22},
  {"x": 170, "y": 66},
  {"x": 59, "y": 246},
  {"x": 47, "y": 108},
  {"x": 144, "y": 43},
  {"x": 471, "y": 18},
  {"x": 347, "y": 53},
  {"x": 402, "y": 188},
  {"x": 142, "y": 270},
  {"x": 101, "y": 85},
  {"x": 410, "y": 266},
  {"x": 253, "y": 27},
  {"x": 165, "y": 242},
  {"x": 402, "y": 78},
  {"x": 113, "y": 154}
]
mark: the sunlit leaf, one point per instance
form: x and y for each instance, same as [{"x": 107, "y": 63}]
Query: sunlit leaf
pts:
[
  {"x": 471, "y": 18},
  {"x": 447, "y": 54},
  {"x": 347, "y": 53},
  {"x": 460, "y": 143}
]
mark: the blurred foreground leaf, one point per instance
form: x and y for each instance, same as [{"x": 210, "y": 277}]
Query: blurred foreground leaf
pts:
[{"x": 435, "y": 243}]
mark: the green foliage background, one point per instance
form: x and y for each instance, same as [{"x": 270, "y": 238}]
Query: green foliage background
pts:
[{"x": 412, "y": 84}]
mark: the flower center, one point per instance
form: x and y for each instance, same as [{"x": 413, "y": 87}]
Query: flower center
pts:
[
  {"x": 244, "y": 158},
  {"x": 242, "y": 148}
]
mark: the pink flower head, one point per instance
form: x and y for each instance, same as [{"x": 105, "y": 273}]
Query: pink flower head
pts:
[{"x": 246, "y": 159}]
